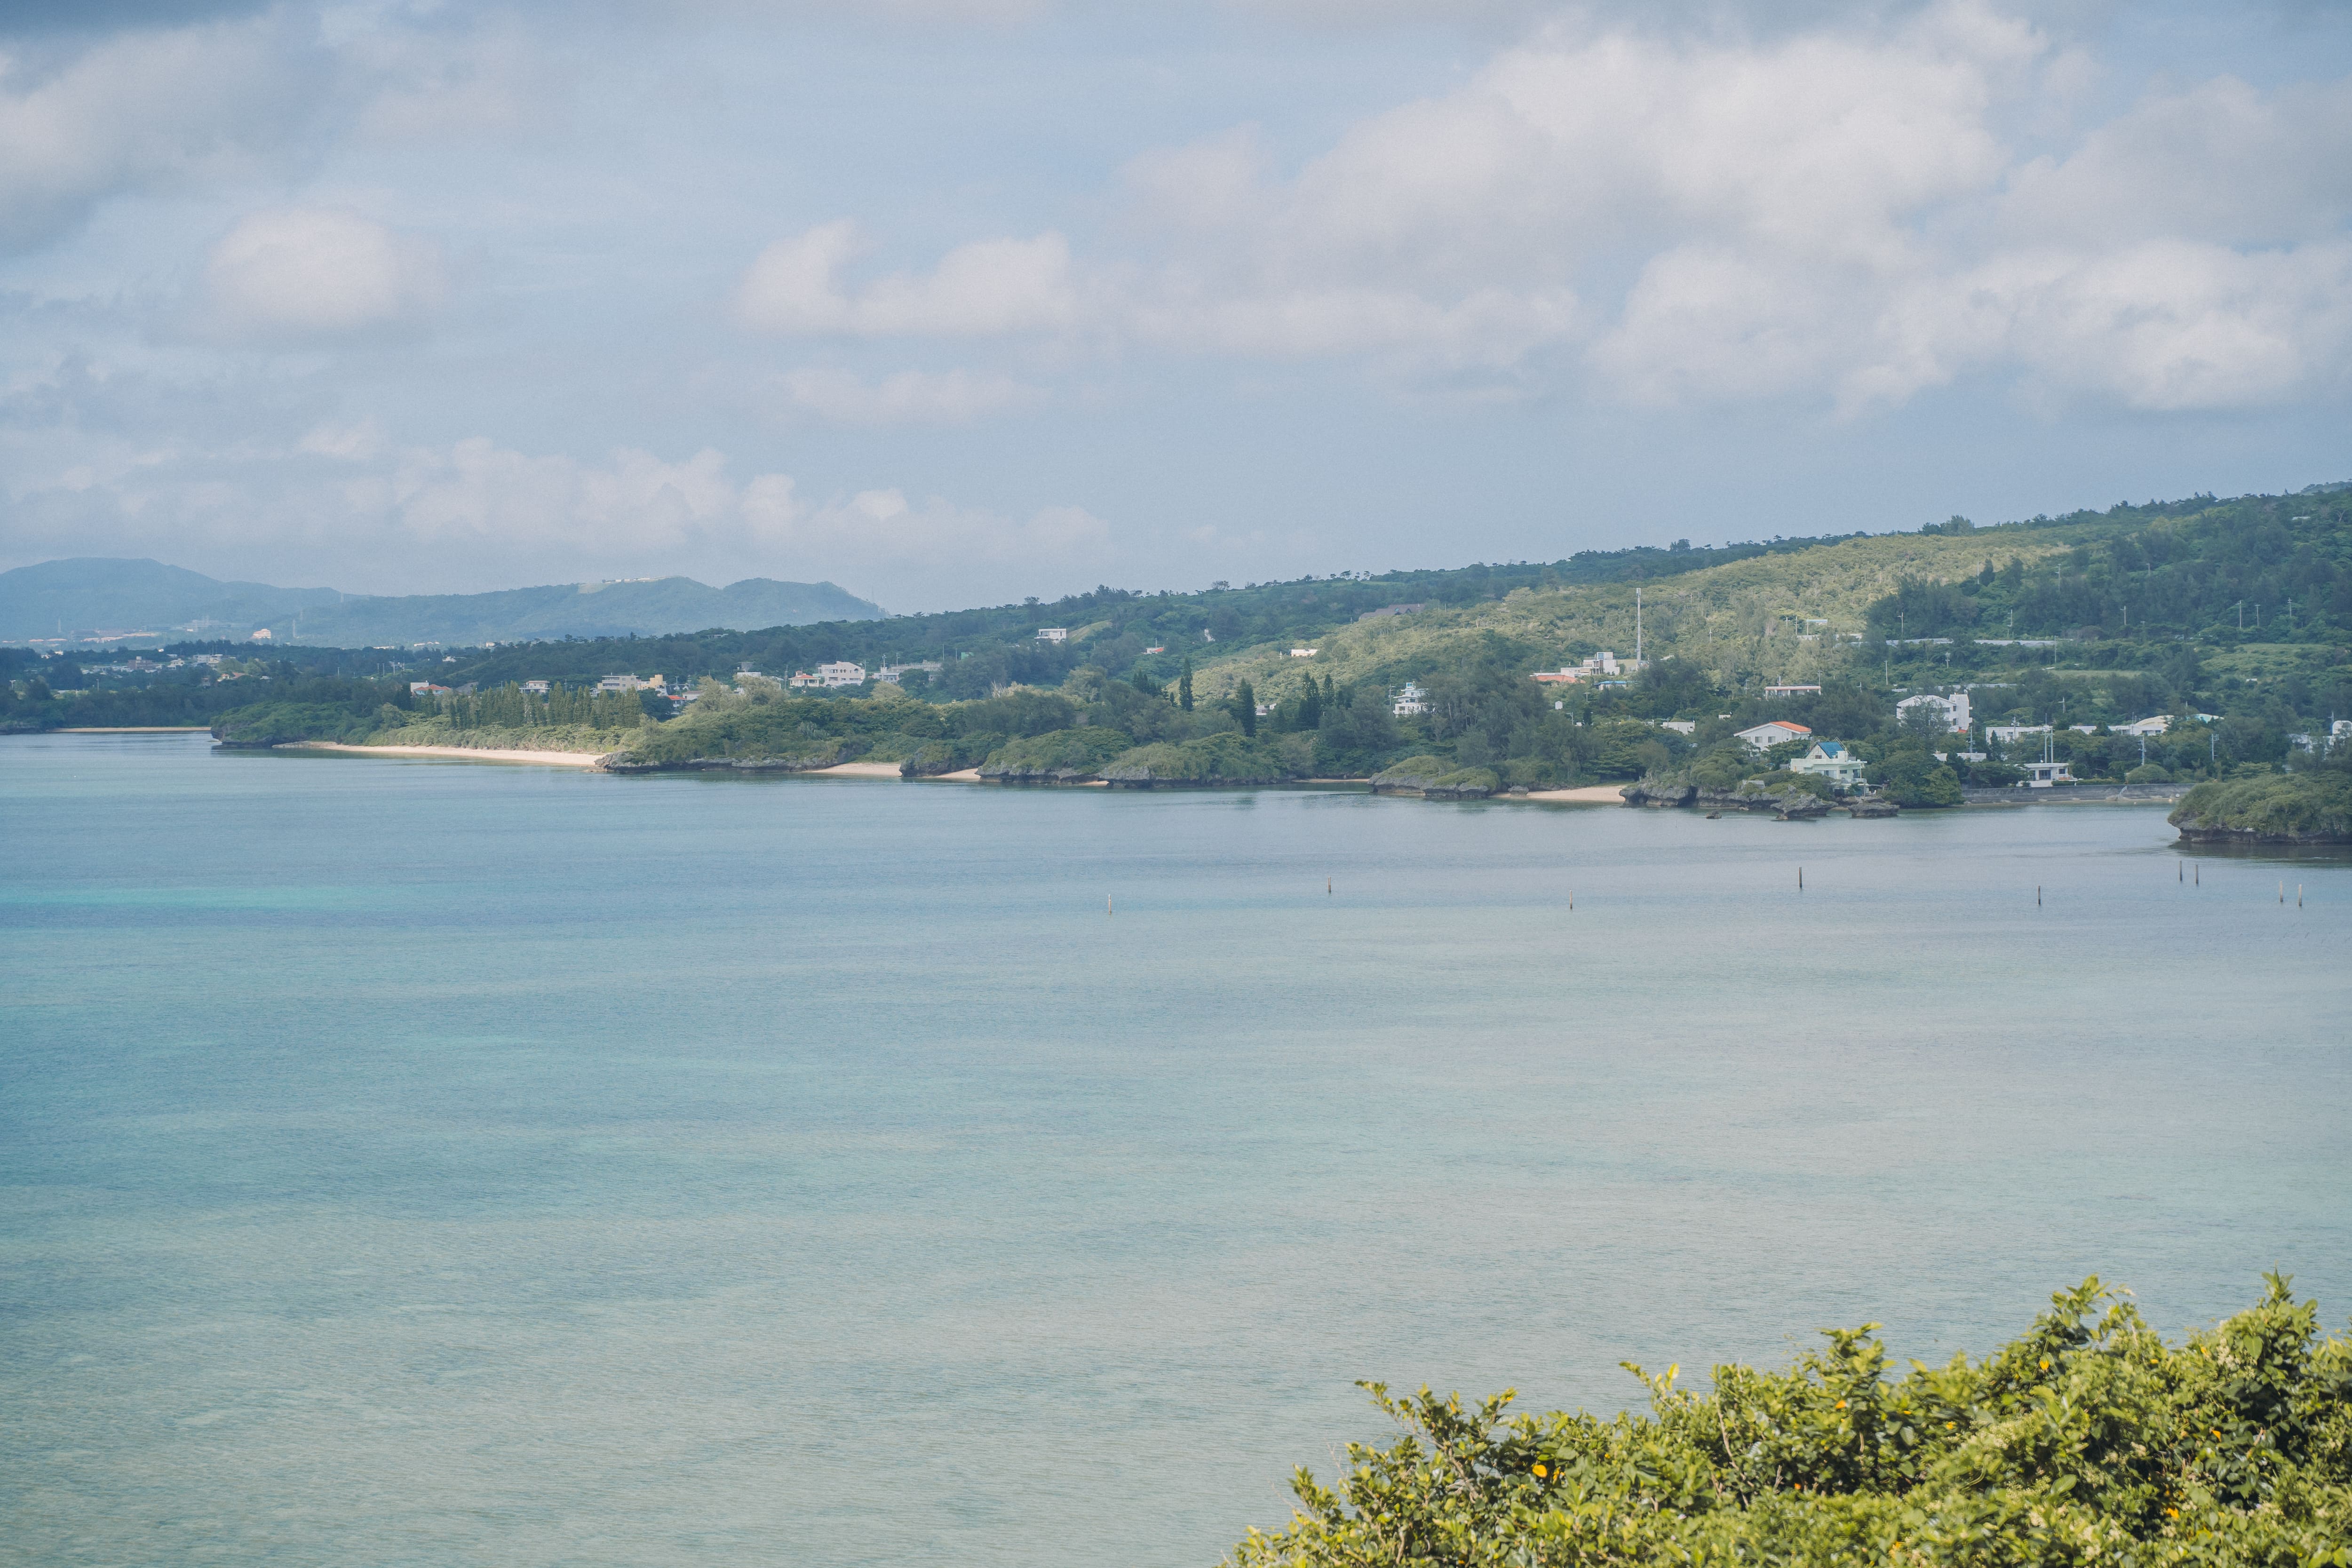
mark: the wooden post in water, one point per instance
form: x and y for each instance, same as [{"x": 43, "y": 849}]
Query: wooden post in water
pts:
[
  {"x": 1801, "y": 879},
  {"x": 1327, "y": 887},
  {"x": 2281, "y": 892},
  {"x": 2037, "y": 895},
  {"x": 1106, "y": 909}
]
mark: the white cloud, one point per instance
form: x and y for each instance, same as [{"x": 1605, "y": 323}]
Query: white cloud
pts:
[
  {"x": 145, "y": 111},
  {"x": 2221, "y": 161},
  {"x": 303, "y": 275},
  {"x": 1838, "y": 212},
  {"x": 985, "y": 288},
  {"x": 904, "y": 397}
]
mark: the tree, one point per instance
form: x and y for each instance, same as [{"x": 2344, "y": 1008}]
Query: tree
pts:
[
  {"x": 1184, "y": 685},
  {"x": 1924, "y": 722},
  {"x": 1245, "y": 708}
]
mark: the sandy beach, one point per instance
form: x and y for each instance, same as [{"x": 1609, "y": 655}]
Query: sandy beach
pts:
[
  {"x": 1590, "y": 795},
  {"x": 856, "y": 771},
  {"x": 453, "y": 754}
]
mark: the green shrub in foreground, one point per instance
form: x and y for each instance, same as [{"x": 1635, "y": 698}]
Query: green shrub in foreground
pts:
[{"x": 2087, "y": 1441}]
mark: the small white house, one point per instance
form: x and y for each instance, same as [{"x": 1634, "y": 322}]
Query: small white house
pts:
[
  {"x": 1053, "y": 634},
  {"x": 2157, "y": 725},
  {"x": 1830, "y": 760},
  {"x": 536, "y": 688},
  {"x": 2005, "y": 733},
  {"x": 2041, "y": 775},
  {"x": 1952, "y": 710},
  {"x": 1304, "y": 652},
  {"x": 1409, "y": 699},
  {"x": 1792, "y": 691},
  {"x": 1766, "y": 736},
  {"x": 1679, "y": 726}
]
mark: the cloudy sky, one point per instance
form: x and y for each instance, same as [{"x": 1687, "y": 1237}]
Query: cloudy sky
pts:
[{"x": 959, "y": 300}]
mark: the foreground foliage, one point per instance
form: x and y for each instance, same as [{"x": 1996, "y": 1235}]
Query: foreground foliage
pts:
[{"x": 2087, "y": 1440}]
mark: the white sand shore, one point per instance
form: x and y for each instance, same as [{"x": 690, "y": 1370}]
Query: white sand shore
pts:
[
  {"x": 962, "y": 776},
  {"x": 856, "y": 771},
  {"x": 452, "y": 753},
  {"x": 1594, "y": 794}
]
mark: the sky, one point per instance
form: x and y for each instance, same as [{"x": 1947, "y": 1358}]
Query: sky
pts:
[{"x": 959, "y": 302}]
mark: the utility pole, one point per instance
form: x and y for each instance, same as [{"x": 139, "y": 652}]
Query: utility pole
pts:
[{"x": 1637, "y": 626}]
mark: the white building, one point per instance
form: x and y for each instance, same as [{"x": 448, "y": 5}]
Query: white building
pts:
[
  {"x": 1410, "y": 699},
  {"x": 1764, "y": 737},
  {"x": 1953, "y": 711},
  {"x": 829, "y": 676},
  {"x": 2154, "y": 726},
  {"x": 536, "y": 688},
  {"x": 1830, "y": 760},
  {"x": 1679, "y": 726},
  {"x": 261, "y": 636},
  {"x": 1053, "y": 634},
  {"x": 2041, "y": 775},
  {"x": 2005, "y": 733},
  {"x": 1792, "y": 691},
  {"x": 1304, "y": 652},
  {"x": 631, "y": 683}
]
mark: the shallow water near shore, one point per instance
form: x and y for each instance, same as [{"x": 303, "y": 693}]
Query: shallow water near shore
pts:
[{"x": 429, "y": 1162}]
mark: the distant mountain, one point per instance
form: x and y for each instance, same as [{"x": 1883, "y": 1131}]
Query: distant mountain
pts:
[{"x": 91, "y": 597}]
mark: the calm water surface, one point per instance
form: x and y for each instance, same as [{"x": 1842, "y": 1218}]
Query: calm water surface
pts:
[{"x": 409, "y": 1163}]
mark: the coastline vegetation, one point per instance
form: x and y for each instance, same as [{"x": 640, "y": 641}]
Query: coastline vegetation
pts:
[
  {"x": 2079, "y": 624},
  {"x": 2086, "y": 1440},
  {"x": 2312, "y": 807}
]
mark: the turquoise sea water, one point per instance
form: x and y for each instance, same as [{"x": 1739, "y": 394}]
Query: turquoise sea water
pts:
[{"x": 437, "y": 1163}]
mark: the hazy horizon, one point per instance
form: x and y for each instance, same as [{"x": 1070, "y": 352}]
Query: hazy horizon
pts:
[{"x": 952, "y": 302}]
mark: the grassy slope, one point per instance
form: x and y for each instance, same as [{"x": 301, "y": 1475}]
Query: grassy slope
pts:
[{"x": 1737, "y": 618}]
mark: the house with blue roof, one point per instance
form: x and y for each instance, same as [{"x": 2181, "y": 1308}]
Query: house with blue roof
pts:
[{"x": 1833, "y": 761}]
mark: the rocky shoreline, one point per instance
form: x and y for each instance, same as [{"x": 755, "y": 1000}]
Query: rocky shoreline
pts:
[{"x": 1785, "y": 805}]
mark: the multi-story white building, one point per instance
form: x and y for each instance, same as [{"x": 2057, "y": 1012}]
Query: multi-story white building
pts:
[
  {"x": 1409, "y": 699},
  {"x": 828, "y": 676},
  {"x": 1953, "y": 710}
]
